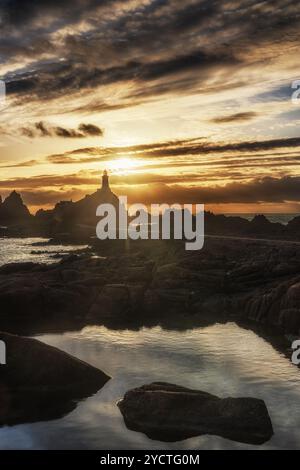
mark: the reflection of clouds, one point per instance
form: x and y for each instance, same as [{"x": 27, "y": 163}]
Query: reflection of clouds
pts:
[{"x": 221, "y": 359}]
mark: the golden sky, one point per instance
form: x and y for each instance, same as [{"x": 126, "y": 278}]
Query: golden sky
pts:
[{"x": 181, "y": 100}]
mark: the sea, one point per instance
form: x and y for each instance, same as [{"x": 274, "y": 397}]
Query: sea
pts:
[{"x": 35, "y": 250}]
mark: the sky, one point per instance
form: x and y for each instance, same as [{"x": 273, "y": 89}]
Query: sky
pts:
[{"x": 185, "y": 101}]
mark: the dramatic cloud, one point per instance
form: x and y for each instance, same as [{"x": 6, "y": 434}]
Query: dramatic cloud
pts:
[
  {"x": 257, "y": 191},
  {"x": 112, "y": 45},
  {"x": 161, "y": 71},
  {"x": 238, "y": 117},
  {"x": 70, "y": 77},
  {"x": 42, "y": 129},
  {"x": 151, "y": 189},
  {"x": 183, "y": 148},
  {"x": 28, "y": 163}
]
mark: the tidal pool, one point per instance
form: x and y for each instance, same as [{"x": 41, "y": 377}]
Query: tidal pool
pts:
[{"x": 225, "y": 360}]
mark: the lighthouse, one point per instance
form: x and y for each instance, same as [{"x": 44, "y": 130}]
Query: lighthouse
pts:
[{"x": 105, "y": 181}]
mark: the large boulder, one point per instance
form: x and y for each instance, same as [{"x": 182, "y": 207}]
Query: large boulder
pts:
[
  {"x": 170, "y": 413},
  {"x": 39, "y": 382}
]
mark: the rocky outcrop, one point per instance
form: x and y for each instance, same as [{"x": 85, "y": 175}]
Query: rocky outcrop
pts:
[
  {"x": 279, "y": 306},
  {"x": 13, "y": 211},
  {"x": 247, "y": 280},
  {"x": 40, "y": 382},
  {"x": 72, "y": 220},
  {"x": 75, "y": 217},
  {"x": 79, "y": 287},
  {"x": 168, "y": 412}
]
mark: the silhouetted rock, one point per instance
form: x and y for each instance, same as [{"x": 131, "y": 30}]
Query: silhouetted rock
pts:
[
  {"x": 13, "y": 211},
  {"x": 225, "y": 225},
  {"x": 159, "y": 280},
  {"x": 76, "y": 222},
  {"x": 293, "y": 227},
  {"x": 169, "y": 413},
  {"x": 259, "y": 227},
  {"x": 78, "y": 217},
  {"x": 40, "y": 382}
]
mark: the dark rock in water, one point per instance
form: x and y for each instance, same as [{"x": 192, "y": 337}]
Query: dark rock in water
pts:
[
  {"x": 40, "y": 382},
  {"x": 171, "y": 413}
]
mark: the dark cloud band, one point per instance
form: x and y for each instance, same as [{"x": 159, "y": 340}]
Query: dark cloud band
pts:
[{"x": 43, "y": 129}]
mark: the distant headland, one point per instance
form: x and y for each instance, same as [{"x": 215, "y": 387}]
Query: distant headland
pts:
[{"x": 77, "y": 220}]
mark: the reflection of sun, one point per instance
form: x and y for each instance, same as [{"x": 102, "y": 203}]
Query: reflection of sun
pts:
[{"x": 122, "y": 164}]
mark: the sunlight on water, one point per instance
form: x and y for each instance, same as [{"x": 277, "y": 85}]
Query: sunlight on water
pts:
[
  {"x": 225, "y": 360},
  {"x": 35, "y": 250}
]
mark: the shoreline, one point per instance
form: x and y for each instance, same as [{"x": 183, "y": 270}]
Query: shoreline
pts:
[{"x": 140, "y": 288}]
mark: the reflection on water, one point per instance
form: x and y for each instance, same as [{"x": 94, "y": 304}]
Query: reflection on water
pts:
[
  {"x": 35, "y": 250},
  {"x": 225, "y": 360}
]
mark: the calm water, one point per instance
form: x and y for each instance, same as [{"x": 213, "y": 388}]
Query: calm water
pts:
[
  {"x": 222, "y": 359},
  {"x": 15, "y": 250}
]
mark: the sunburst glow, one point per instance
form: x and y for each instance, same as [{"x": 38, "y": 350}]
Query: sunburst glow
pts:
[{"x": 123, "y": 165}]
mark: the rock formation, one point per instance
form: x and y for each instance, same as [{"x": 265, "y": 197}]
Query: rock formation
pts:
[
  {"x": 158, "y": 281},
  {"x": 70, "y": 217},
  {"x": 170, "y": 413},
  {"x": 13, "y": 211},
  {"x": 77, "y": 220},
  {"x": 40, "y": 382}
]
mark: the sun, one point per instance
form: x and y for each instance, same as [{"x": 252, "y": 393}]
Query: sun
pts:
[{"x": 122, "y": 165}]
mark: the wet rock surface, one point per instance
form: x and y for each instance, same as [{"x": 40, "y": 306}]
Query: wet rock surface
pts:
[
  {"x": 169, "y": 413},
  {"x": 159, "y": 282}
]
